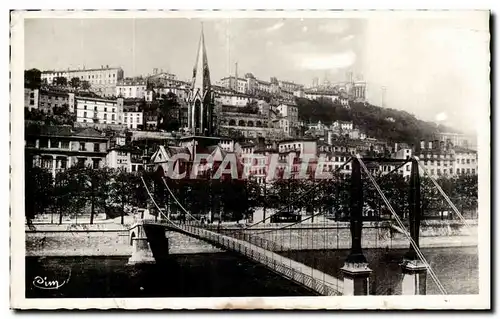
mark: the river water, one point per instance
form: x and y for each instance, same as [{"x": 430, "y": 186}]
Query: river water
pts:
[{"x": 229, "y": 275}]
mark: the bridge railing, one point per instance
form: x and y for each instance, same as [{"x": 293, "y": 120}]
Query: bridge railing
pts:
[{"x": 239, "y": 243}]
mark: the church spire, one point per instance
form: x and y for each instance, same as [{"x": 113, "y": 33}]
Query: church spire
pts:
[
  {"x": 201, "y": 72},
  {"x": 200, "y": 96}
]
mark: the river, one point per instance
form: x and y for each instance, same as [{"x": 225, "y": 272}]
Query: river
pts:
[{"x": 228, "y": 275}]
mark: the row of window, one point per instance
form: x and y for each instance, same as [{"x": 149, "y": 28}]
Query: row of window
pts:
[
  {"x": 95, "y": 109},
  {"x": 458, "y": 171},
  {"x": 61, "y": 163},
  {"x": 105, "y": 116}
]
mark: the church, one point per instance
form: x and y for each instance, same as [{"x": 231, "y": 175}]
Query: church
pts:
[{"x": 200, "y": 96}]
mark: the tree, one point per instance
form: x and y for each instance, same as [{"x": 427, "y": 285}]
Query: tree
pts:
[
  {"x": 38, "y": 191},
  {"x": 85, "y": 85},
  {"x": 169, "y": 112},
  {"x": 122, "y": 189},
  {"x": 60, "y": 81},
  {"x": 75, "y": 82},
  {"x": 32, "y": 79},
  {"x": 69, "y": 197}
]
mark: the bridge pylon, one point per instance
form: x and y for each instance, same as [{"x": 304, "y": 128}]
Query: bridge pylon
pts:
[
  {"x": 149, "y": 243},
  {"x": 414, "y": 270},
  {"x": 355, "y": 270}
]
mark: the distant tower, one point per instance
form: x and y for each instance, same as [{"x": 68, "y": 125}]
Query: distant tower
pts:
[
  {"x": 201, "y": 97},
  {"x": 384, "y": 89}
]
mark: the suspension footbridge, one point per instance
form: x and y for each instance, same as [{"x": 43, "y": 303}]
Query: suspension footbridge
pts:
[{"x": 151, "y": 245}]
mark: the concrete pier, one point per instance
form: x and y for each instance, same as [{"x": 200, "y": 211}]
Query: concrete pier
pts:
[
  {"x": 141, "y": 252},
  {"x": 414, "y": 278}
]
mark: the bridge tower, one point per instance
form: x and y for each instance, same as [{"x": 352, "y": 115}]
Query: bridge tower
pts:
[
  {"x": 355, "y": 270},
  {"x": 414, "y": 270}
]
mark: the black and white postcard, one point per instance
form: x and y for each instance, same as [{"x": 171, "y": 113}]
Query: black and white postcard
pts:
[{"x": 250, "y": 159}]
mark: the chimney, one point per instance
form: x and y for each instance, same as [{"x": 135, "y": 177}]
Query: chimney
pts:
[{"x": 107, "y": 66}]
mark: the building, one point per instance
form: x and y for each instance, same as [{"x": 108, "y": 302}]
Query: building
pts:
[
  {"x": 124, "y": 157},
  {"x": 131, "y": 88},
  {"x": 98, "y": 110},
  {"x": 48, "y": 99},
  {"x": 465, "y": 161},
  {"x": 31, "y": 98},
  {"x": 316, "y": 95},
  {"x": 437, "y": 158},
  {"x": 58, "y": 147},
  {"x": 227, "y": 97},
  {"x": 102, "y": 81},
  {"x": 201, "y": 97},
  {"x": 458, "y": 139},
  {"x": 133, "y": 117},
  {"x": 343, "y": 125}
]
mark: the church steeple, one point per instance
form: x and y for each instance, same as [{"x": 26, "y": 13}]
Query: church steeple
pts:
[{"x": 200, "y": 97}]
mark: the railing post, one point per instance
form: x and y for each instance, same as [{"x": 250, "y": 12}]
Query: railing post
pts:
[
  {"x": 414, "y": 270},
  {"x": 355, "y": 270}
]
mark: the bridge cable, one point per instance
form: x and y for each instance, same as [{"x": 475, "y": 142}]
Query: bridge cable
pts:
[
  {"x": 448, "y": 200},
  {"x": 398, "y": 220},
  {"x": 177, "y": 201},
  {"x": 157, "y": 206}
]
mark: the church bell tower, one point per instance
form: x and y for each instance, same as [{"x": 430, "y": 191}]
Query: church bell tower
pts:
[{"x": 201, "y": 97}]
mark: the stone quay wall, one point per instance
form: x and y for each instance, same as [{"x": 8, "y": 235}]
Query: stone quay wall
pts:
[{"x": 114, "y": 240}]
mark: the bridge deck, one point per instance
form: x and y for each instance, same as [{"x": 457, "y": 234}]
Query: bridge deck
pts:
[{"x": 309, "y": 277}]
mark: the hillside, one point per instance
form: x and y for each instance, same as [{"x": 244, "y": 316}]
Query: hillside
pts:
[{"x": 382, "y": 123}]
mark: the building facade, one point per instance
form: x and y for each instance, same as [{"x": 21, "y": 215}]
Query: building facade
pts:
[
  {"x": 102, "y": 81},
  {"x": 131, "y": 88},
  {"x": 97, "y": 110},
  {"x": 59, "y": 147}
]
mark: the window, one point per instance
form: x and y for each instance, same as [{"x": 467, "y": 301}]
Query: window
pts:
[
  {"x": 84, "y": 114},
  {"x": 473, "y": 171},
  {"x": 113, "y": 110},
  {"x": 105, "y": 116},
  {"x": 407, "y": 168},
  {"x": 81, "y": 162},
  {"x": 85, "y": 107},
  {"x": 112, "y": 117},
  {"x": 95, "y": 163},
  {"x": 468, "y": 161},
  {"x": 82, "y": 147},
  {"x": 105, "y": 109},
  {"x": 463, "y": 161},
  {"x": 458, "y": 171},
  {"x": 95, "y": 108},
  {"x": 468, "y": 171},
  {"x": 96, "y": 147}
]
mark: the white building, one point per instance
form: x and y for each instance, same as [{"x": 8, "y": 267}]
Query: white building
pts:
[
  {"x": 102, "y": 81},
  {"x": 232, "y": 98},
  {"x": 465, "y": 161},
  {"x": 343, "y": 125},
  {"x": 96, "y": 110},
  {"x": 133, "y": 119},
  {"x": 131, "y": 88},
  {"x": 314, "y": 95}
]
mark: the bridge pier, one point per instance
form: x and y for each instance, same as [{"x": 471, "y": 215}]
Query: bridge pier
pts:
[
  {"x": 355, "y": 270},
  {"x": 414, "y": 280},
  {"x": 150, "y": 245}
]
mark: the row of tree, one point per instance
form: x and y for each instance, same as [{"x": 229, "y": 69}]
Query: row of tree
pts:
[
  {"x": 113, "y": 192},
  {"x": 33, "y": 80}
]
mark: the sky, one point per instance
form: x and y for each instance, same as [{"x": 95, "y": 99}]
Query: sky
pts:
[{"x": 435, "y": 68}]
